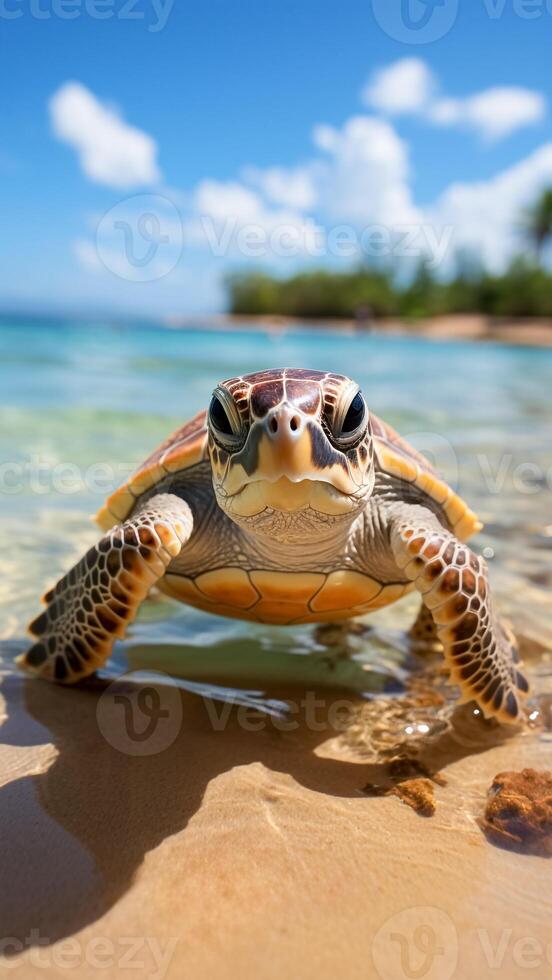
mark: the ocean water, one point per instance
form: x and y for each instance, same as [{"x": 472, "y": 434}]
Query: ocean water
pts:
[{"x": 83, "y": 403}]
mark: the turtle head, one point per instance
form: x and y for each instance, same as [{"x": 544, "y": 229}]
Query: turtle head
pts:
[{"x": 291, "y": 451}]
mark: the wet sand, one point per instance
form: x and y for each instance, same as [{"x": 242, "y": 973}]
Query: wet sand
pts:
[{"x": 261, "y": 853}]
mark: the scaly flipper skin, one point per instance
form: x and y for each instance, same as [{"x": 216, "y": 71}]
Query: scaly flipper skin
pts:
[
  {"x": 93, "y": 604},
  {"x": 424, "y": 629},
  {"x": 453, "y": 581}
]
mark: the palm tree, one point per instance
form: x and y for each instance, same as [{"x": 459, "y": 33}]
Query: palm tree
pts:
[{"x": 539, "y": 222}]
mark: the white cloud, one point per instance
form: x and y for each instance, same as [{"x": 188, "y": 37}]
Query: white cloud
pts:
[
  {"x": 292, "y": 188},
  {"x": 366, "y": 178},
  {"x": 403, "y": 87},
  {"x": 487, "y": 215},
  {"x": 227, "y": 199},
  {"x": 231, "y": 219},
  {"x": 409, "y": 87},
  {"x": 110, "y": 151},
  {"x": 494, "y": 113},
  {"x": 360, "y": 178}
]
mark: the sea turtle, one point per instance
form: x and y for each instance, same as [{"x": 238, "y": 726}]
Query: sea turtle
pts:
[{"x": 286, "y": 502}]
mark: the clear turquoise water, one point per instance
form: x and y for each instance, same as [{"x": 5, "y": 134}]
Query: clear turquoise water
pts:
[{"x": 75, "y": 395}]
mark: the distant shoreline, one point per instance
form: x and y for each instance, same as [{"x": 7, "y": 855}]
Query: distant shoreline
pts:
[
  {"x": 521, "y": 332},
  {"x": 526, "y": 332}
]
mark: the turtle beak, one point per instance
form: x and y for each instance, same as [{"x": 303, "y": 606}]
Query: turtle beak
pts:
[
  {"x": 287, "y": 444},
  {"x": 285, "y": 448}
]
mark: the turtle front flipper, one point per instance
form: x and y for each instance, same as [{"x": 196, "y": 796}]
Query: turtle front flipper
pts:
[
  {"x": 479, "y": 650},
  {"x": 93, "y": 604}
]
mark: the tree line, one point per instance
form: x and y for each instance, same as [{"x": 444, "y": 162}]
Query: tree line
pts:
[{"x": 524, "y": 289}]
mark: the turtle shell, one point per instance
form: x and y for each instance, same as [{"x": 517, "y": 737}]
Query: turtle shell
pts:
[
  {"x": 188, "y": 446},
  {"x": 184, "y": 448},
  {"x": 400, "y": 459}
]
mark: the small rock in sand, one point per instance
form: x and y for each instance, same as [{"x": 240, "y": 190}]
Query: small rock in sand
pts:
[
  {"x": 418, "y": 794},
  {"x": 402, "y": 768},
  {"x": 519, "y": 811}
]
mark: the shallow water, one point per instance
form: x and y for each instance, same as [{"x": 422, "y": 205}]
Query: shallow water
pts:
[
  {"x": 75, "y": 395},
  {"x": 338, "y": 717}
]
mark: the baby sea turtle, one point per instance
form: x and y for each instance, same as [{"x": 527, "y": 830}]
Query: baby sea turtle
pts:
[{"x": 286, "y": 502}]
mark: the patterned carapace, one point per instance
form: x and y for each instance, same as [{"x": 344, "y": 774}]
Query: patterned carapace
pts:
[{"x": 286, "y": 502}]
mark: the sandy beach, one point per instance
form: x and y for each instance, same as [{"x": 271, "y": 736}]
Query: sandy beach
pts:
[
  {"x": 529, "y": 332},
  {"x": 251, "y": 845}
]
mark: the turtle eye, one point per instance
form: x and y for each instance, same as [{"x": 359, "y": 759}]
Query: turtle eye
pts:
[
  {"x": 224, "y": 420},
  {"x": 218, "y": 417},
  {"x": 349, "y": 421},
  {"x": 355, "y": 415}
]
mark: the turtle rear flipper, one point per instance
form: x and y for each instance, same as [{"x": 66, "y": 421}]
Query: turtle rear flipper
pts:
[{"x": 93, "y": 604}]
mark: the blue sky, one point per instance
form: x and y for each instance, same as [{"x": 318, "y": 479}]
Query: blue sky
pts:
[{"x": 225, "y": 93}]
